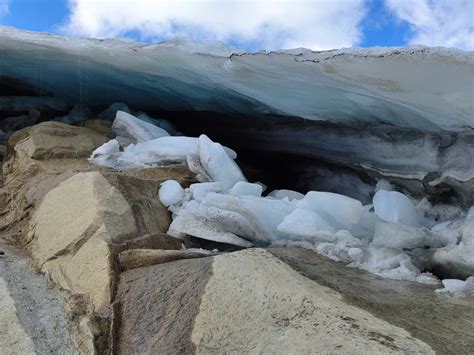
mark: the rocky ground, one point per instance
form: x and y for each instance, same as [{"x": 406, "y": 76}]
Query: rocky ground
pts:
[{"x": 128, "y": 288}]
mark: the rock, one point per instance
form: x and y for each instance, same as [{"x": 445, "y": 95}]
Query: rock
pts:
[
  {"x": 244, "y": 302},
  {"x": 151, "y": 241},
  {"x": 81, "y": 225},
  {"x": 71, "y": 232},
  {"x": 102, "y": 127},
  {"x": 3, "y": 152},
  {"x": 111, "y": 112},
  {"x": 158, "y": 305},
  {"x": 79, "y": 113},
  {"x": 55, "y": 140},
  {"x": 39, "y": 158},
  {"x": 135, "y": 258}
]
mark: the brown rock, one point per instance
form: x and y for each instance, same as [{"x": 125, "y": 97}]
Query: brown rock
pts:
[
  {"x": 55, "y": 140},
  {"x": 158, "y": 305},
  {"x": 102, "y": 127},
  {"x": 151, "y": 241},
  {"x": 71, "y": 231},
  {"x": 135, "y": 258}
]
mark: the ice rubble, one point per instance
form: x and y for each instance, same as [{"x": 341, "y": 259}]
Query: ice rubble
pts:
[
  {"x": 386, "y": 238},
  {"x": 130, "y": 129},
  {"x": 458, "y": 286}
]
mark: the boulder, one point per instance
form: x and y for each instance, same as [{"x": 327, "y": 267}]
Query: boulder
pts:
[
  {"x": 55, "y": 140},
  {"x": 71, "y": 231},
  {"x": 82, "y": 223},
  {"x": 99, "y": 126},
  {"x": 244, "y": 302},
  {"x": 135, "y": 258}
]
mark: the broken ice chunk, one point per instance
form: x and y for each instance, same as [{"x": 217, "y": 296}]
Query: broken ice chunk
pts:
[
  {"x": 200, "y": 190},
  {"x": 217, "y": 163},
  {"x": 291, "y": 195},
  {"x": 393, "y": 264},
  {"x": 306, "y": 224},
  {"x": 395, "y": 207},
  {"x": 104, "y": 155},
  {"x": 401, "y": 236},
  {"x": 210, "y": 223},
  {"x": 135, "y": 130},
  {"x": 243, "y": 188},
  {"x": 263, "y": 214},
  {"x": 171, "y": 192},
  {"x": 458, "y": 286},
  {"x": 340, "y": 211},
  {"x": 195, "y": 166},
  {"x": 365, "y": 228}
]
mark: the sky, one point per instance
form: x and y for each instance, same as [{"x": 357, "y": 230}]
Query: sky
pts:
[{"x": 255, "y": 25}]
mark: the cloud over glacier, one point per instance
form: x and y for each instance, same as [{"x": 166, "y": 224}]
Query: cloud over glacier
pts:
[
  {"x": 448, "y": 23},
  {"x": 317, "y": 24}
]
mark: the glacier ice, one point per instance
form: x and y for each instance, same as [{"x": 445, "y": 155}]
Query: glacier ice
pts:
[
  {"x": 264, "y": 214},
  {"x": 395, "y": 235},
  {"x": 401, "y": 114},
  {"x": 200, "y": 190},
  {"x": 458, "y": 286},
  {"x": 243, "y": 188},
  {"x": 304, "y": 223},
  {"x": 365, "y": 227},
  {"x": 171, "y": 193},
  {"x": 291, "y": 195},
  {"x": 339, "y": 210},
  {"x": 106, "y": 154},
  {"x": 130, "y": 129},
  {"x": 212, "y": 223},
  {"x": 456, "y": 260},
  {"x": 395, "y": 207},
  {"x": 218, "y": 165}
]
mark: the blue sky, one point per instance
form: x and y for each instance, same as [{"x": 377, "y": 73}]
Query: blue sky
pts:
[{"x": 317, "y": 24}]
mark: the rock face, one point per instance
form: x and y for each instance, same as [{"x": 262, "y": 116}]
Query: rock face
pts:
[
  {"x": 76, "y": 218},
  {"x": 72, "y": 229},
  {"x": 56, "y": 140},
  {"x": 244, "y": 302},
  {"x": 135, "y": 258}
]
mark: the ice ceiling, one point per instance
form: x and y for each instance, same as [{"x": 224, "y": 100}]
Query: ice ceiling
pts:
[{"x": 402, "y": 114}]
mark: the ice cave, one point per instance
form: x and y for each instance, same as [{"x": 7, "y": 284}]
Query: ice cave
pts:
[{"x": 359, "y": 154}]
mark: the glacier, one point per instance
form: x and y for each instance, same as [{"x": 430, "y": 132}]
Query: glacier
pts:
[
  {"x": 349, "y": 115},
  {"x": 368, "y": 153}
]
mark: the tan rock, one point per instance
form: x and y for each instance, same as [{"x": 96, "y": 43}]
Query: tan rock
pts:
[
  {"x": 55, "y": 140},
  {"x": 71, "y": 232},
  {"x": 102, "y": 127},
  {"x": 135, "y": 258},
  {"x": 255, "y": 304},
  {"x": 151, "y": 241}
]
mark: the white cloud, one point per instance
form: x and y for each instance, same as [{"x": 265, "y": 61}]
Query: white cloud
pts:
[
  {"x": 448, "y": 23},
  {"x": 316, "y": 24}
]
